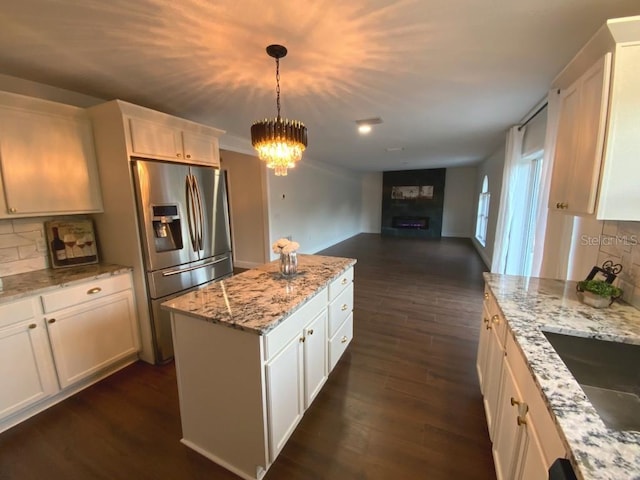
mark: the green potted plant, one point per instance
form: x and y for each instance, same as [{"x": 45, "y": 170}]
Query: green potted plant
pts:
[{"x": 598, "y": 293}]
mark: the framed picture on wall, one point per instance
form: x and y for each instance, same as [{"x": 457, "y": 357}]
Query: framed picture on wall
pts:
[{"x": 71, "y": 242}]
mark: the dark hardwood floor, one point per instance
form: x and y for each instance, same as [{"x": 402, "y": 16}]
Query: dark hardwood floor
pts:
[{"x": 403, "y": 403}]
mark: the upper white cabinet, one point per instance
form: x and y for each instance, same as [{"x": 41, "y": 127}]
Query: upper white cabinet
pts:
[
  {"x": 158, "y": 140},
  {"x": 580, "y": 141},
  {"x": 125, "y": 130},
  {"x": 47, "y": 157},
  {"x": 595, "y": 169}
]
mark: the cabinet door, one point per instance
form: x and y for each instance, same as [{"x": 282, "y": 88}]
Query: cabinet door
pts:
[
  {"x": 26, "y": 369},
  {"x": 315, "y": 357},
  {"x": 483, "y": 347},
  {"x": 533, "y": 464},
  {"x": 155, "y": 140},
  {"x": 201, "y": 148},
  {"x": 52, "y": 155},
  {"x": 566, "y": 144},
  {"x": 89, "y": 337},
  {"x": 580, "y": 141},
  {"x": 492, "y": 375},
  {"x": 585, "y": 174},
  {"x": 506, "y": 439},
  {"x": 284, "y": 394}
]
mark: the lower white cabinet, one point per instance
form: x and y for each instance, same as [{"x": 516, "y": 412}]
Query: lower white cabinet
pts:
[
  {"x": 91, "y": 336},
  {"x": 54, "y": 344},
  {"x": 243, "y": 394},
  {"x": 525, "y": 439},
  {"x": 27, "y": 374}
]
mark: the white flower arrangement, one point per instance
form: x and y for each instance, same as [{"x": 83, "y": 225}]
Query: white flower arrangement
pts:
[{"x": 284, "y": 245}]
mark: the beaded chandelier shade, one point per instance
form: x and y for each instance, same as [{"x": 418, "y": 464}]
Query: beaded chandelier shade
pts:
[{"x": 279, "y": 142}]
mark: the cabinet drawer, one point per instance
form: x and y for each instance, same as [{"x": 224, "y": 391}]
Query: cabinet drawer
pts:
[
  {"x": 494, "y": 316},
  {"x": 19, "y": 311},
  {"x": 69, "y": 296},
  {"x": 340, "y": 309},
  {"x": 538, "y": 411},
  {"x": 339, "y": 284},
  {"x": 276, "y": 339},
  {"x": 339, "y": 343}
]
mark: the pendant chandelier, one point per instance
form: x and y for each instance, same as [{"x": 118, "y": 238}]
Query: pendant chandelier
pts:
[{"x": 279, "y": 142}]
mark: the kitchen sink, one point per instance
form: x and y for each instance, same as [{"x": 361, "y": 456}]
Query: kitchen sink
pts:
[{"x": 609, "y": 374}]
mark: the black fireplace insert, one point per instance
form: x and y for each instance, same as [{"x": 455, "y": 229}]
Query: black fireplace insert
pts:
[{"x": 418, "y": 223}]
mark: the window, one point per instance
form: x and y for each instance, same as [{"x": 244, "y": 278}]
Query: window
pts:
[{"x": 483, "y": 212}]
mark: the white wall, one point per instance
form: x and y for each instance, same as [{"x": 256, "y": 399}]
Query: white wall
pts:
[
  {"x": 492, "y": 167},
  {"x": 371, "y": 216},
  {"x": 460, "y": 202},
  {"x": 318, "y": 205},
  {"x": 46, "y": 92},
  {"x": 247, "y": 201}
]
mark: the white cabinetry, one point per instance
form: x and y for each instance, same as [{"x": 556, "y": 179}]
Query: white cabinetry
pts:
[
  {"x": 489, "y": 362},
  {"x": 242, "y": 408},
  {"x": 27, "y": 374},
  {"x": 595, "y": 168},
  {"x": 340, "y": 330},
  {"x": 580, "y": 141},
  {"x": 82, "y": 333},
  {"x": 47, "y": 157},
  {"x": 525, "y": 439},
  {"x": 153, "y": 139},
  {"x": 91, "y": 327}
]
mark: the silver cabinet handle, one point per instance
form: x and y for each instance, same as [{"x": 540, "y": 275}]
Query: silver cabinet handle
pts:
[
  {"x": 344, "y": 281},
  {"x": 310, "y": 331},
  {"x": 344, "y": 307},
  {"x": 188, "y": 269},
  {"x": 344, "y": 339}
]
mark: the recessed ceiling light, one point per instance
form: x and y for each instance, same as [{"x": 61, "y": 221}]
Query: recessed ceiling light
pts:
[{"x": 364, "y": 125}]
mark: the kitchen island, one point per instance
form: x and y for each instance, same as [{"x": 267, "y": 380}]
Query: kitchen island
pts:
[
  {"x": 252, "y": 352},
  {"x": 532, "y": 308}
]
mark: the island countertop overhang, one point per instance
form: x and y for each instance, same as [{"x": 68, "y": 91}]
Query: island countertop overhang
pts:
[{"x": 259, "y": 299}]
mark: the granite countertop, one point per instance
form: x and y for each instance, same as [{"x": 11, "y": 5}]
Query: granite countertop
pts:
[
  {"x": 39, "y": 281},
  {"x": 531, "y": 305},
  {"x": 257, "y": 300}
]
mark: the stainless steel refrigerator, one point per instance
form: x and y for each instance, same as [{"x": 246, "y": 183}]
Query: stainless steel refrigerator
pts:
[{"x": 183, "y": 219}]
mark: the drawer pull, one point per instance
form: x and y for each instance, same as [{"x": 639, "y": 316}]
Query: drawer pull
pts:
[
  {"x": 515, "y": 402},
  {"x": 486, "y": 295},
  {"x": 51, "y": 320},
  {"x": 485, "y": 320},
  {"x": 495, "y": 319},
  {"x": 188, "y": 156},
  {"x": 301, "y": 339},
  {"x": 344, "y": 339},
  {"x": 93, "y": 290},
  {"x": 344, "y": 307},
  {"x": 344, "y": 281},
  {"x": 310, "y": 332},
  {"x": 32, "y": 326},
  {"x": 521, "y": 420}
]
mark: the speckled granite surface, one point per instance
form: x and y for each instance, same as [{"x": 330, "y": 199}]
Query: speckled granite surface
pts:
[
  {"x": 531, "y": 305},
  {"x": 257, "y": 300},
  {"x": 39, "y": 281}
]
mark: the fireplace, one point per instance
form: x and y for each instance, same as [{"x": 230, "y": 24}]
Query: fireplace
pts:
[{"x": 416, "y": 223}]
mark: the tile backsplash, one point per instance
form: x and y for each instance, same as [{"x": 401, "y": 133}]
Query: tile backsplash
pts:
[
  {"x": 23, "y": 246},
  {"x": 619, "y": 243}
]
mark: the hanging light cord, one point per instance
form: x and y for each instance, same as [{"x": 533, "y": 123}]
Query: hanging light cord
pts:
[{"x": 278, "y": 86}]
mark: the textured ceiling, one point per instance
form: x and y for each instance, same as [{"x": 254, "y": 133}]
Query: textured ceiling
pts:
[{"x": 447, "y": 77}]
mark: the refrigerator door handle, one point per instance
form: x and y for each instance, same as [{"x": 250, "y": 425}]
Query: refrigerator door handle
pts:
[
  {"x": 191, "y": 210},
  {"x": 188, "y": 269},
  {"x": 200, "y": 215}
]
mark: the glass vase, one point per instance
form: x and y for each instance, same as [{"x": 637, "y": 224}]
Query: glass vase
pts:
[{"x": 288, "y": 264}]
